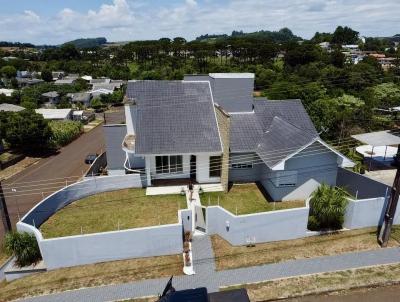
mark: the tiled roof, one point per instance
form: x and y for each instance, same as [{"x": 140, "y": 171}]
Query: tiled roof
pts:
[
  {"x": 174, "y": 117},
  {"x": 10, "y": 107},
  {"x": 245, "y": 132}
]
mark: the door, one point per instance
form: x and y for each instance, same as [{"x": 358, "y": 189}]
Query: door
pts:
[
  {"x": 200, "y": 218},
  {"x": 193, "y": 167}
]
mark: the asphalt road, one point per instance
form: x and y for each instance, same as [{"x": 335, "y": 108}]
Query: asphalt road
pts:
[{"x": 27, "y": 188}]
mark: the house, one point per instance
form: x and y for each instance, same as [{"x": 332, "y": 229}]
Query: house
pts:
[
  {"x": 110, "y": 86},
  {"x": 96, "y": 93},
  {"x": 100, "y": 81},
  {"x": 80, "y": 97},
  {"x": 51, "y": 98},
  {"x": 24, "y": 74},
  {"x": 65, "y": 81},
  {"x": 6, "y": 92},
  {"x": 23, "y": 82},
  {"x": 57, "y": 75},
  {"x": 208, "y": 128},
  {"x": 55, "y": 114},
  {"x": 10, "y": 107}
]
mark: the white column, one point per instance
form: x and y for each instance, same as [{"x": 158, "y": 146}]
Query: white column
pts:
[
  {"x": 148, "y": 170},
  {"x": 128, "y": 119}
]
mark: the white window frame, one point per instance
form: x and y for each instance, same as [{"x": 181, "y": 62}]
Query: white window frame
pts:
[
  {"x": 241, "y": 166},
  {"x": 176, "y": 168}
]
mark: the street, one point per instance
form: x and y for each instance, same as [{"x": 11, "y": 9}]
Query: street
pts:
[{"x": 24, "y": 190}]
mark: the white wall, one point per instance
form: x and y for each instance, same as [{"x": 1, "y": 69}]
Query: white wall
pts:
[
  {"x": 203, "y": 169},
  {"x": 264, "y": 227}
]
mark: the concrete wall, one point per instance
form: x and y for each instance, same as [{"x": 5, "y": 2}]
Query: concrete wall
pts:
[
  {"x": 56, "y": 201},
  {"x": 321, "y": 168},
  {"x": 108, "y": 246},
  {"x": 360, "y": 185},
  {"x": 263, "y": 227},
  {"x": 367, "y": 213},
  {"x": 114, "y": 135},
  {"x": 186, "y": 219},
  {"x": 245, "y": 175}
]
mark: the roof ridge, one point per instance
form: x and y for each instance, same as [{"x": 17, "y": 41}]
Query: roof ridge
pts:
[{"x": 291, "y": 124}]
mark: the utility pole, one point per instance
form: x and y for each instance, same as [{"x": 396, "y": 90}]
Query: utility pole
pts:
[
  {"x": 391, "y": 207},
  {"x": 4, "y": 212}
]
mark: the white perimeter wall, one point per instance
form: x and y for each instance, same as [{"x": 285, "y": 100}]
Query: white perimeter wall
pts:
[{"x": 264, "y": 227}]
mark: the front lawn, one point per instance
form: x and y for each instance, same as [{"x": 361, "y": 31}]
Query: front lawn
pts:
[
  {"x": 123, "y": 209},
  {"x": 228, "y": 256},
  {"x": 246, "y": 199},
  {"x": 91, "y": 275}
]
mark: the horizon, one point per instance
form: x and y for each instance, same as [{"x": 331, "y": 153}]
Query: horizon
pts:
[{"x": 53, "y": 23}]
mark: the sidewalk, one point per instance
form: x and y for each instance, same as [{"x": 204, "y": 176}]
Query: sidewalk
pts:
[{"x": 208, "y": 277}]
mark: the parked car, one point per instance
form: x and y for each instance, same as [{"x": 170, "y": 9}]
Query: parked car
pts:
[{"x": 90, "y": 158}]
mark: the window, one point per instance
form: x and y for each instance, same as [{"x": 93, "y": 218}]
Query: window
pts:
[
  {"x": 283, "y": 179},
  {"x": 215, "y": 166},
  {"x": 169, "y": 164},
  {"x": 242, "y": 166}
]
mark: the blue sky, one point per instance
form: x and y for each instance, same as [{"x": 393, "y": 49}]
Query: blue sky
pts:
[{"x": 56, "y": 21}]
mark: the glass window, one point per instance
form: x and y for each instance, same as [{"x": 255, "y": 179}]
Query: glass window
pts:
[
  {"x": 242, "y": 166},
  {"x": 215, "y": 166},
  {"x": 169, "y": 164}
]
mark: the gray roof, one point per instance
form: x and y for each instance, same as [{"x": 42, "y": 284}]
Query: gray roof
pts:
[
  {"x": 51, "y": 94},
  {"x": 100, "y": 81},
  {"x": 109, "y": 86},
  {"x": 10, "y": 107},
  {"x": 247, "y": 129},
  {"x": 379, "y": 138},
  {"x": 65, "y": 81},
  {"x": 281, "y": 140},
  {"x": 79, "y": 97},
  {"x": 174, "y": 117}
]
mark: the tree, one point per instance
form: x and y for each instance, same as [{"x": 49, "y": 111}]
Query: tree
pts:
[
  {"x": 27, "y": 130},
  {"x": 24, "y": 247},
  {"x": 345, "y": 35},
  {"x": 302, "y": 54},
  {"x": 327, "y": 208},
  {"x": 8, "y": 71},
  {"x": 47, "y": 75}
]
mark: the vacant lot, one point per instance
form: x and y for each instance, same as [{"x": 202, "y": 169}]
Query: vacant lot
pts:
[
  {"x": 228, "y": 256},
  {"x": 320, "y": 283},
  {"x": 122, "y": 209},
  {"x": 91, "y": 275},
  {"x": 246, "y": 199}
]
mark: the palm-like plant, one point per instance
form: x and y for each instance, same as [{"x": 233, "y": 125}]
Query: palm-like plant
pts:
[
  {"x": 24, "y": 247},
  {"x": 327, "y": 208}
]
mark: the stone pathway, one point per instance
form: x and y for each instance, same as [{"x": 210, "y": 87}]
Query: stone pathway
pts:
[{"x": 208, "y": 277}]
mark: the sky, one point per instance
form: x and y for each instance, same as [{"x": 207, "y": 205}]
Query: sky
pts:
[{"x": 56, "y": 21}]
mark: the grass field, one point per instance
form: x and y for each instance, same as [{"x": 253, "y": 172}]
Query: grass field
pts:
[
  {"x": 322, "y": 283},
  {"x": 228, "y": 256},
  {"x": 126, "y": 209},
  {"x": 91, "y": 275},
  {"x": 246, "y": 199},
  {"x": 3, "y": 255}
]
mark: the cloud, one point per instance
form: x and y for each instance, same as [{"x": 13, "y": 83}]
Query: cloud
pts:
[{"x": 122, "y": 20}]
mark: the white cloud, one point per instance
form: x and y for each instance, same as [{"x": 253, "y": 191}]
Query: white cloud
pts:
[{"x": 141, "y": 19}]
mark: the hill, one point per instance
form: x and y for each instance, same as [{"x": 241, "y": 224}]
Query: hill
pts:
[{"x": 88, "y": 42}]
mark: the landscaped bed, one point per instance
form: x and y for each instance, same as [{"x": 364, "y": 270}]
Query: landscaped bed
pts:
[
  {"x": 91, "y": 275},
  {"x": 110, "y": 211},
  {"x": 246, "y": 199},
  {"x": 228, "y": 256}
]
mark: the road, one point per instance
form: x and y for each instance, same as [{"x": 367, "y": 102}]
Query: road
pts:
[{"x": 26, "y": 189}]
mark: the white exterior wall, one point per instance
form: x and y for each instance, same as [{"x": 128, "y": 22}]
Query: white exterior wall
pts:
[
  {"x": 262, "y": 227},
  {"x": 203, "y": 169}
]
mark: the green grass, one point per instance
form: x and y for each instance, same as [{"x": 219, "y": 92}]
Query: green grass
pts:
[
  {"x": 3, "y": 254},
  {"x": 246, "y": 199},
  {"x": 129, "y": 208}
]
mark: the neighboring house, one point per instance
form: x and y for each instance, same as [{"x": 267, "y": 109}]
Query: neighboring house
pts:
[
  {"x": 110, "y": 86},
  {"x": 96, "y": 93},
  {"x": 6, "y": 92},
  {"x": 22, "y": 82},
  {"x": 208, "y": 128},
  {"x": 10, "y": 107},
  {"x": 87, "y": 78},
  {"x": 100, "y": 81},
  {"x": 51, "y": 98},
  {"x": 57, "y": 75},
  {"x": 65, "y": 81},
  {"x": 80, "y": 97},
  {"x": 23, "y": 74},
  {"x": 55, "y": 114}
]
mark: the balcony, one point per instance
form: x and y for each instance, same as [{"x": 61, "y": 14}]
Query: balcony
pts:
[{"x": 129, "y": 143}]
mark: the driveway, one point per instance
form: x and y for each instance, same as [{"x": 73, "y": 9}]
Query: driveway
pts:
[{"x": 26, "y": 189}]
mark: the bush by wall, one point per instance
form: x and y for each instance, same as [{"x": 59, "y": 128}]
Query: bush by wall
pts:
[
  {"x": 24, "y": 247},
  {"x": 327, "y": 208},
  {"x": 63, "y": 132}
]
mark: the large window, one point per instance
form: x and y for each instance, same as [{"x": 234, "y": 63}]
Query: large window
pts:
[
  {"x": 242, "y": 166},
  {"x": 169, "y": 164},
  {"x": 215, "y": 166}
]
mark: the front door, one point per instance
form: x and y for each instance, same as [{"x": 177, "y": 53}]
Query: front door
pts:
[{"x": 193, "y": 167}]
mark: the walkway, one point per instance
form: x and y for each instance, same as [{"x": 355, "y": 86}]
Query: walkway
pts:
[{"x": 206, "y": 276}]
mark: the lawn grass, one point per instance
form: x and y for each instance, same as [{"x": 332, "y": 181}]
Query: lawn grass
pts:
[
  {"x": 228, "y": 256},
  {"x": 3, "y": 254},
  {"x": 91, "y": 275},
  {"x": 246, "y": 199},
  {"x": 129, "y": 208},
  {"x": 322, "y": 283}
]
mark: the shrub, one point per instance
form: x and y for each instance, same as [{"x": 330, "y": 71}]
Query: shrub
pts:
[
  {"x": 63, "y": 132},
  {"x": 24, "y": 247},
  {"x": 327, "y": 208},
  {"x": 313, "y": 224}
]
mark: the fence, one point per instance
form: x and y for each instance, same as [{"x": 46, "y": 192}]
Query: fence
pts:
[
  {"x": 257, "y": 228},
  {"x": 97, "y": 166}
]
